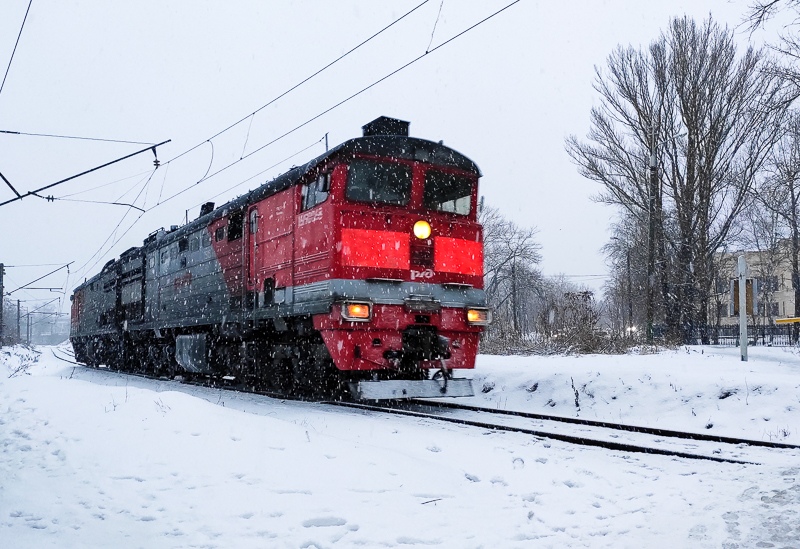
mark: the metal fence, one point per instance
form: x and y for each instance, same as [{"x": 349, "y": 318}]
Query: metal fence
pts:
[{"x": 771, "y": 336}]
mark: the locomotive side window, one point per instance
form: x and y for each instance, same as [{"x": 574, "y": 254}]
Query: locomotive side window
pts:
[
  {"x": 379, "y": 182},
  {"x": 183, "y": 244},
  {"x": 235, "y": 226},
  {"x": 253, "y": 221},
  {"x": 194, "y": 244},
  {"x": 173, "y": 252},
  {"x": 164, "y": 256},
  {"x": 206, "y": 239},
  {"x": 219, "y": 234},
  {"x": 317, "y": 191},
  {"x": 445, "y": 192}
]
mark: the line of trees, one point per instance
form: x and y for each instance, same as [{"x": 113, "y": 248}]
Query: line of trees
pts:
[
  {"x": 719, "y": 125},
  {"x": 528, "y": 309}
]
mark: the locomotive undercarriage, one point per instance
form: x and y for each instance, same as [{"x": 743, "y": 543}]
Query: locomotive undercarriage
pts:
[{"x": 290, "y": 359}]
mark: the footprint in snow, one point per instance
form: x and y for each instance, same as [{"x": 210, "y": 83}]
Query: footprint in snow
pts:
[{"x": 324, "y": 522}]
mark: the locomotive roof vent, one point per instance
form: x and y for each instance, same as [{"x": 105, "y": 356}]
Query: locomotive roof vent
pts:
[
  {"x": 383, "y": 125},
  {"x": 206, "y": 208}
]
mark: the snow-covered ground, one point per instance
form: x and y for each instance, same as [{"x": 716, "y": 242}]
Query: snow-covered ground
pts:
[
  {"x": 696, "y": 389},
  {"x": 98, "y": 459}
]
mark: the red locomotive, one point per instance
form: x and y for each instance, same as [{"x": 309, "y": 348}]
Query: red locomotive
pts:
[{"x": 360, "y": 270}]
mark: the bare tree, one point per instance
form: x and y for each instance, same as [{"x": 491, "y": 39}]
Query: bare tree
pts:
[
  {"x": 711, "y": 117},
  {"x": 510, "y": 255},
  {"x": 625, "y": 293},
  {"x": 780, "y": 194}
]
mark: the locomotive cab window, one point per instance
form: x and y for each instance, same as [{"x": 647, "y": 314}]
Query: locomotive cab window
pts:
[
  {"x": 194, "y": 244},
  {"x": 446, "y": 192},
  {"x": 316, "y": 192},
  {"x": 219, "y": 234},
  {"x": 379, "y": 182}
]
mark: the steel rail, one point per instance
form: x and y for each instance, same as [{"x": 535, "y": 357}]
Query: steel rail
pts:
[
  {"x": 582, "y": 441},
  {"x": 607, "y": 425}
]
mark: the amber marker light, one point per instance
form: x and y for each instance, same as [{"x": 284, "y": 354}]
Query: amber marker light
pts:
[
  {"x": 479, "y": 317},
  {"x": 356, "y": 312},
  {"x": 422, "y": 229}
]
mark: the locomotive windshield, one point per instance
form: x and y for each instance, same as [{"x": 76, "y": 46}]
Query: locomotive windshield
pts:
[
  {"x": 379, "y": 182},
  {"x": 446, "y": 192}
]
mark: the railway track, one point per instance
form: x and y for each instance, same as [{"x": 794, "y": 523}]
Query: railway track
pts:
[{"x": 610, "y": 436}]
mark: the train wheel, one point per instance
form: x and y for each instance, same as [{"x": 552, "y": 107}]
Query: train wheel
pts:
[{"x": 283, "y": 378}]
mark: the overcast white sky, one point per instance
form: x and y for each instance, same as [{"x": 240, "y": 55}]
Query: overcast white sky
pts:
[{"x": 506, "y": 94}]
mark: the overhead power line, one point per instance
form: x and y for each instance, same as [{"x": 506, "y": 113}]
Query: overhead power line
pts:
[
  {"x": 15, "y": 45},
  {"x": 302, "y": 81},
  {"x": 38, "y": 265},
  {"x": 76, "y": 137},
  {"x": 35, "y": 193},
  {"x": 41, "y": 277},
  {"x": 262, "y": 171},
  {"x": 339, "y": 104}
]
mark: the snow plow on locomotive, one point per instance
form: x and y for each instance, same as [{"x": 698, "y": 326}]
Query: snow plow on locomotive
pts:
[{"x": 361, "y": 270}]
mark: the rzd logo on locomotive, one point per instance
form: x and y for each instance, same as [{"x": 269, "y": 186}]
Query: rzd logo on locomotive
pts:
[{"x": 426, "y": 274}]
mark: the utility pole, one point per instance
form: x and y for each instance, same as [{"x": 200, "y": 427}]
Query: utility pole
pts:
[
  {"x": 651, "y": 238},
  {"x": 19, "y": 335},
  {"x": 743, "y": 307}
]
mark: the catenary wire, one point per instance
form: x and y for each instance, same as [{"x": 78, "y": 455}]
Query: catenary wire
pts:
[
  {"x": 76, "y": 137},
  {"x": 105, "y": 184},
  {"x": 261, "y": 172},
  {"x": 81, "y": 271},
  {"x": 301, "y": 82},
  {"x": 340, "y": 103},
  {"x": 15, "y": 45},
  {"x": 37, "y": 265}
]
